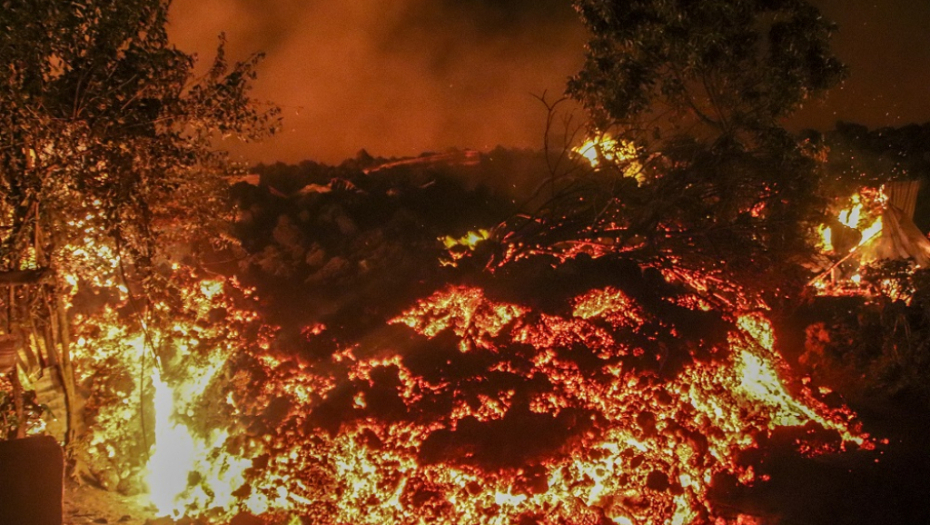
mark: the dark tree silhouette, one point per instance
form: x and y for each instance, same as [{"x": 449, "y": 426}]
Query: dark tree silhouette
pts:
[{"x": 695, "y": 92}]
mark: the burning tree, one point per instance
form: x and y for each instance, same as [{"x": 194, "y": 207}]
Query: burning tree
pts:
[
  {"x": 107, "y": 169},
  {"x": 700, "y": 89}
]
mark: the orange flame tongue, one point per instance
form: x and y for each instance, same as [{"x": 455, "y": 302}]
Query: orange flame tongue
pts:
[
  {"x": 173, "y": 456},
  {"x": 190, "y": 471}
]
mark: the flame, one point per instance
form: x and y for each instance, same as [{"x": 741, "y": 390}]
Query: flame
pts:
[
  {"x": 458, "y": 247},
  {"x": 603, "y": 147},
  {"x": 173, "y": 453},
  {"x": 468, "y": 241},
  {"x": 861, "y": 207},
  {"x": 595, "y": 148},
  {"x": 177, "y": 453},
  {"x": 186, "y": 467},
  {"x": 872, "y": 231},
  {"x": 826, "y": 238},
  {"x": 850, "y": 216}
]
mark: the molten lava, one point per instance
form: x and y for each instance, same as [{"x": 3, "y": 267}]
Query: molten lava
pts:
[
  {"x": 552, "y": 418},
  {"x": 613, "y": 406}
]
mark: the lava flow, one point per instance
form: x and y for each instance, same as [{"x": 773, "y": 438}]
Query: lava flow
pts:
[
  {"x": 616, "y": 407},
  {"x": 616, "y": 402}
]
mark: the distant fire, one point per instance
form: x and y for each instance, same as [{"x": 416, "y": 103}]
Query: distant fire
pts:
[
  {"x": 458, "y": 247},
  {"x": 852, "y": 217},
  {"x": 597, "y": 148},
  {"x": 862, "y": 220},
  {"x": 618, "y": 152}
]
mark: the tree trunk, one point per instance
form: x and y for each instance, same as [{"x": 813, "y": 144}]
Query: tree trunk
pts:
[
  {"x": 73, "y": 418},
  {"x": 18, "y": 404},
  {"x": 38, "y": 342},
  {"x": 9, "y": 342}
]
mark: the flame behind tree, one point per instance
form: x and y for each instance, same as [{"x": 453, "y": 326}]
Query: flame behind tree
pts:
[
  {"x": 701, "y": 89},
  {"x": 106, "y": 164}
]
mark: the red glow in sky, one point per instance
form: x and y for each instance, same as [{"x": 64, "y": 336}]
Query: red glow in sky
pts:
[{"x": 403, "y": 77}]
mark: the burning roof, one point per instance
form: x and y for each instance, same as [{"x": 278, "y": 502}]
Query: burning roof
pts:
[{"x": 876, "y": 226}]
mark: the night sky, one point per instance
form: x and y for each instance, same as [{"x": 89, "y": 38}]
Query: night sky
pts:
[{"x": 401, "y": 77}]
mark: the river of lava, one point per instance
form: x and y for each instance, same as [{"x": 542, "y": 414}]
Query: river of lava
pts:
[{"x": 465, "y": 409}]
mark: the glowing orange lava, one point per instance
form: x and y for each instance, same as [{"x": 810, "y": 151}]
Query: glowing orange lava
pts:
[
  {"x": 470, "y": 409},
  {"x": 563, "y": 422}
]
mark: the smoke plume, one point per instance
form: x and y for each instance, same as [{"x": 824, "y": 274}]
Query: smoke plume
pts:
[
  {"x": 397, "y": 78},
  {"x": 400, "y": 77}
]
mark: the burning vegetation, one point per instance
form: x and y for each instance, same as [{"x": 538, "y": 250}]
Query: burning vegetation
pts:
[
  {"x": 620, "y": 403},
  {"x": 618, "y": 333}
]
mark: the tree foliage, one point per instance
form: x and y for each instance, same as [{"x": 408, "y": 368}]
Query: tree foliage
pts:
[
  {"x": 700, "y": 88},
  {"x": 705, "y": 68},
  {"x": 107, "y": 157},
  {"x": 103, "y": 120}
]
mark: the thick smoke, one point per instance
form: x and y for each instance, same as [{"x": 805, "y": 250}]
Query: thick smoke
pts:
[{"x": 398, "y": 77}]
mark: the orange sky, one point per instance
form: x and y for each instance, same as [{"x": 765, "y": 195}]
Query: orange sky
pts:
[
  {"x": 886, "y": 45},
  {"x": 402, "y": 77}
]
